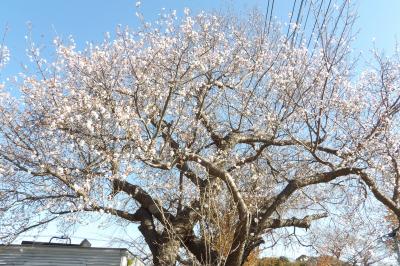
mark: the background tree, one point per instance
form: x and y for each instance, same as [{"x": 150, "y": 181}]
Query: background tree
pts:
[
  {"x": 192, "y": 125},
  {"x": 356, "y": 242}
]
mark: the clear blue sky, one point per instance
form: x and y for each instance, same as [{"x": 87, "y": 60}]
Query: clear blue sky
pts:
[{"x": 88, "y": 20}]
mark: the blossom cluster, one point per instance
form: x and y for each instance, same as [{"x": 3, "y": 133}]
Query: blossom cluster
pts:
[{"x": 4, "y": 55}]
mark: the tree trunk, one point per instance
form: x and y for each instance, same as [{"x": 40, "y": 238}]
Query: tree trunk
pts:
[
  {"x": 236, "y": 257},
  {"x": 167, "y": 252},
  {"x": 240, "y": 237},
  {"x": 202, "y": 251}
]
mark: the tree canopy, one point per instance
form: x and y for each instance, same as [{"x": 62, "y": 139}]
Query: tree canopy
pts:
[{"x": 209, "y": 131}]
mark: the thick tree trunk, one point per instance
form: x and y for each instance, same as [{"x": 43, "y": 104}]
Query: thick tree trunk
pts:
[
  {"x": 167, "y": 252},
  {"x": 250, "y": 247},
  {"x": 147, "y": 228},
  {"x": 164, "y": 248},
  {"x": 240, "y": 237},
  {"x": 203, "y": 252},
  {"x": 236, "y": 257}
]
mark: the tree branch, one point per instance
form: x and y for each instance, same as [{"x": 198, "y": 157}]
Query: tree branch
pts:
[
  {"x": 304, "y": 222},
  {"x": 293, "y": 186},
  {"x": 145, "y": 200}
]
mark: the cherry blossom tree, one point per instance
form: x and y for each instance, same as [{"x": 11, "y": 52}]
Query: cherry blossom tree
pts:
[{"x": 195, "y": 124}]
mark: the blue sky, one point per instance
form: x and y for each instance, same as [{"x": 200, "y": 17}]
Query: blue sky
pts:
[{"x": 88, "y": 20}]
